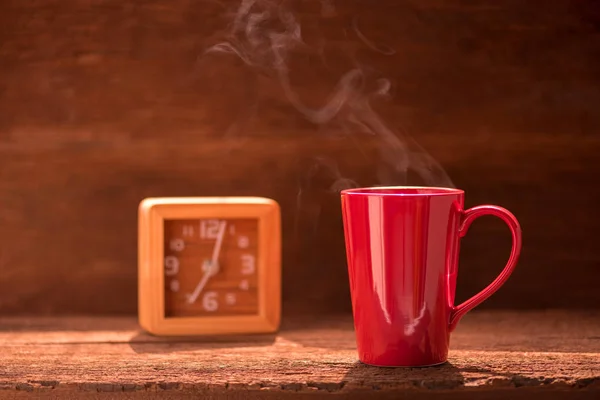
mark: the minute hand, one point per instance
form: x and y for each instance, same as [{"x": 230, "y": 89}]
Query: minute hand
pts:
[
  {"x": 212, "y": 267},
  {"x": 219, "y": 242}
]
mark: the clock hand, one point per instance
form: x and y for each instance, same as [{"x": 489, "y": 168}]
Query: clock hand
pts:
[
  {"x": 212, "y": 267},
  {"x": 192, "y": 298},
  {"x": 219, "y": 242}
]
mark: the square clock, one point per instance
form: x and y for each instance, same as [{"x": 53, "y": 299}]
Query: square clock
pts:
[{"x": 209, "y": 265}]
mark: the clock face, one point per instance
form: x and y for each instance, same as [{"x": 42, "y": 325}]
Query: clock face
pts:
[{"x": 210, "y": 267}]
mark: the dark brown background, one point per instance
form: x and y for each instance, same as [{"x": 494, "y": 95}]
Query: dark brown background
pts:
[{"x": 103, "y": 103}]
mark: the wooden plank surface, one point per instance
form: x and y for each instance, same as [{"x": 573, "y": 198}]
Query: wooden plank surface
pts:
[
  {"x": 552, "y": 353},
  {"x": 106, "y": 102}
]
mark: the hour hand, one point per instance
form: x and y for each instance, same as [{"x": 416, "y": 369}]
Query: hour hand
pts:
[{"x": 209, "y": 269}]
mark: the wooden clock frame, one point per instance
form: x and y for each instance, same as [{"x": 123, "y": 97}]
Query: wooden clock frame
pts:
[{"x": 152, "y": 212}]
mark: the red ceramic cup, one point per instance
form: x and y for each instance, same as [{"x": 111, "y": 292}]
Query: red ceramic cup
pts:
[{"x": 402, "y": 247}]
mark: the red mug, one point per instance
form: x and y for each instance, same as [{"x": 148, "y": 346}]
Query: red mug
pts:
[{"x": 402, "y": 247}]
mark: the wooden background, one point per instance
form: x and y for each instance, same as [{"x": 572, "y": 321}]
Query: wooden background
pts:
[{"x": 103, "y": 103}]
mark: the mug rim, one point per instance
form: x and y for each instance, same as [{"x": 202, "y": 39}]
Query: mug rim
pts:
[{"x": 402, "y": 191}]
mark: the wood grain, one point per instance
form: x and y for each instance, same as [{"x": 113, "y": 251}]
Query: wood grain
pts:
[
  {"x": 517, "y": 354},
  {"x": 104, "y": 103}
]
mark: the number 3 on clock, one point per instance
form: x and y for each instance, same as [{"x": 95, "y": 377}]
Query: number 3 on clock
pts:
[{"x": 248, "y": 265}]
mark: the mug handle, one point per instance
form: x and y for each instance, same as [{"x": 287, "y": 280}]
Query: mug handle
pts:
[{"x": 468, "y": 216}]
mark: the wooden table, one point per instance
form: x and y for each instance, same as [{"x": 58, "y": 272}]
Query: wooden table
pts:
[{"x": 553, "y": 354}]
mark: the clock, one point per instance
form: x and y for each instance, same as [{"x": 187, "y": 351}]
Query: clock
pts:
[{"x": 209, "y": 265}]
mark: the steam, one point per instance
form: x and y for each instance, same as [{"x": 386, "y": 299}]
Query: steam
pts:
[
  {"x": 263, "y": 33},
  {"x": 380, "y": 49}
]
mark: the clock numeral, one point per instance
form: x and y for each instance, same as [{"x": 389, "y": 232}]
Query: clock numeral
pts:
[
  {"x": 174, "y": 285},
  {"x": 248, "y": 266},
  {"x": 177, "y": 245},
  {"x": 209, "y": 301},
  {"x": 232, "y": 229},
  {"x": 244, "y": 285},
  {"x": 243, "y": 242},
  {"x": 171, "y": 265},
  {"x": 230, "y": 299},
  {"x": 209, "y": 228},
  {"x": 188, "y": 230}
]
